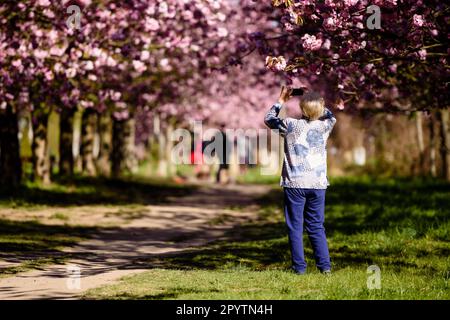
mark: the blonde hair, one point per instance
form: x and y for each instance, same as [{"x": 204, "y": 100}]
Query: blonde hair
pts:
[{"x": 312, "y": 105}]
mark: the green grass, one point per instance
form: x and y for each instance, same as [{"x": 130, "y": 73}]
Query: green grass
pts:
[
  {"x": 31, "y": 245},
  {"x": 253, "y": 175},
  {"x": 240, "y": 283},
  {"x": 400, "y": 225},
  {"x": 32, "y": 264},
  {"x": 60, "y": 216}
]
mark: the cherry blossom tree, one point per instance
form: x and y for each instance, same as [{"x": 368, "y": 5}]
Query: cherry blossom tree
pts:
[
  {"x": 131, "y": 64},
  {"x": 120, "y": 53},
  {"x": 334, "y": 40},
  {"x": 373, "y": 56}
]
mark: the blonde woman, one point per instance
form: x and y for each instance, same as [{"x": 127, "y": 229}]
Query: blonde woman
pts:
[{"x": 304, "y": 175}]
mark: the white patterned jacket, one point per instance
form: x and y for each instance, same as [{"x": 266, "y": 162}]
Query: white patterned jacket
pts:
[{"x": 305, "y": 154}]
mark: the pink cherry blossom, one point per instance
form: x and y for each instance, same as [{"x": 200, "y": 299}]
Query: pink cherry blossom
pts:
[
  {"x": 422, "y": 54},
  {"x": 418, "y": 20},
  {"x": 152, "y": 24},
  {"x": 310, "y": 42}
]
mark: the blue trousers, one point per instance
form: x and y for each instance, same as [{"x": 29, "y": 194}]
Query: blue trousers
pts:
[{"x": 304, "y": 208}]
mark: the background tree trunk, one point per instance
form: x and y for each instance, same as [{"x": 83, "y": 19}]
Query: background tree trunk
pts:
[
  {"x": 420, "y": 142},
  {"x": 171, "y": 169},
  {"x": 234, "y": 163},
  {"x": 88, "y": 129},
  {"x": 152, "y": 149},
  {"x": 161, "y": 139},
  {"x": 105, "y": 134},
  {"x": 10, "y": 164},
  {"x": 123, "y": 158},
  {"x": 380, "y": 144},
  {"x": 118, "y": 153},
  {"x": 131, "y": 163},
  {"x": 445, "y": 143},
  {"x": 431, "y": 123},
  {"x": 41, "y": 163},
  {"x": 66, "y": 159}
]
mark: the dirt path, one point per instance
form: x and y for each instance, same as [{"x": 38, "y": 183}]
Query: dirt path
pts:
[{"x": 183, "y": 223}]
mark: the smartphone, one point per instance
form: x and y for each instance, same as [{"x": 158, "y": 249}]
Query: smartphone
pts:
[{"x": 297, "y": 92}]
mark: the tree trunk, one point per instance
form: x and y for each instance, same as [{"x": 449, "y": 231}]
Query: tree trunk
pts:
[
  {"x": 234, "y": 163},
  {"x": 41, "y": 163},
  {"x": 380, "y": 145},
  {"x": 78, "y": 166},
  {"x": 66, "y": 159},
  {"x": 10, "y": 164},
  {"x": 123, "y": 158},
  {"x": 420, "y": 142},
  {"x": 118, "y": 153},
  {"x": 445, "y": 143},
  {"x": 431, "y": 123},
  {"x": 166, "y": 167},
  {"x": 131, "y": 162},
  {"x": 105, "y": 134},
  {"x": 161, "y": 141},
  {"x": 152, "y": 149},
  {"x": 171, "y": 170},
  {"x": 88, "y": 129}
]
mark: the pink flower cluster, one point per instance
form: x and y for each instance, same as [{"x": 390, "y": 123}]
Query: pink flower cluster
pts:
[
  {"x": 311, "y": 43},
  {"x": 276, "y": 63}
]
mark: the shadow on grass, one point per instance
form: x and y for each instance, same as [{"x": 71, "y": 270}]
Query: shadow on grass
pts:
[
  {"x": 28, "y": 245},
  {"x": 354, "y": 206},
  {"x": 30, "y": 236},
  {"x": 255, "y": 246},
  {"x": 91, "y": 191},
  {"x": 397, "y": 211},
  {"x": 171, "y": 293}
]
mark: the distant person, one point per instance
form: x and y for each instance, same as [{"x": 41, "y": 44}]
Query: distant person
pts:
[
  {"x": 223, "y": 153},
  {"x": 202, "y": 171},
  {"x": 304, "y": 175}
]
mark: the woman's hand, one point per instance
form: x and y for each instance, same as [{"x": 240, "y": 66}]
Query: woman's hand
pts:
[{"x": 285, "y": 95}]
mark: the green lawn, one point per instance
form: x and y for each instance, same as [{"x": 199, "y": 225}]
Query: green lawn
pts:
[
  {"x": 253, "y": 175},
  {"x": 400, "y": 225},
  {"x": 31, "y": 245}
]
